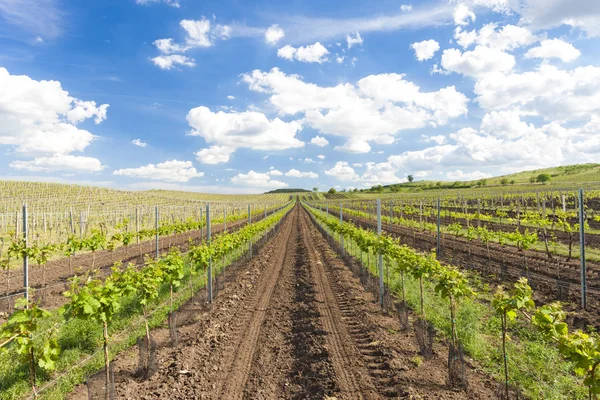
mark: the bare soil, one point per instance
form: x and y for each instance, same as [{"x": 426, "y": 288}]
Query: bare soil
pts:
[
  {"x": 58, "y": 272},
  {"x": 292, "y": 323}
]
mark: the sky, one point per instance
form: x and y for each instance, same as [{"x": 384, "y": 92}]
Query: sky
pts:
[{"x": 237, "y": 96}]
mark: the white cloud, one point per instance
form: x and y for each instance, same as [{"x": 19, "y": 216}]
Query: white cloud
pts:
[
  {"x": 275, "y": 172},
  {"x": 300, "y": 29},
  {"x": 426, "y": 49},
  {"x": 39, "y": 117},
  {"x": 342, "y": 171},
  {"x": 321, "y": 157},
  {"x": 274, "y": 34},
  {"x": 309, "y": 160},
  {"x": 507, "y": 37},
  {"x": 168, "y": 46},
  {"x": 139, "y": 143},
  {"x": 313, "y": 53},
  {"x": 168, "y": 171},
  {"x": 554, "y": 48},
  {"x": 421, "y": 159},
  {"x": 380, "y": 174},
  {"x": 478, "y": 62},
  {"x": 215, "y": 155},
  {"x": 233, "y": 130},
  {"x": 230, "y": 97},
  {"x": 60, "y": 162},
  {"x": 198, "y": 32},
  {"x": 340, "y": 59},
  {"x": 172, "y": 3},
  {"x": 257, "y": 180},
  {"x": 354, "y": 40},
  {"x": 406, "y": 7},
  {"x": 319, "y": 141},
  {"x": 544, "y": 14},
  {"x": 549, "y": 92},
  {"x": 507, "y": 143},
  {"x": 294, "y": 173},
  {"x": 355, "y": 146},
  {"x": 375, "y": 109},
  {"x": 437, "y": 139},
  {"x": 501, "y": 6},
  {"x": 463, "y": 15},
  {"x": 37, "y": 17},
  {"x": 459, "y": 175},
  {"x": 173, "y": 60}
]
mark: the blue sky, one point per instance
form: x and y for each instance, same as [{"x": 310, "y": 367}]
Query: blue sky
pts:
[{"x": 240, "y": 96}]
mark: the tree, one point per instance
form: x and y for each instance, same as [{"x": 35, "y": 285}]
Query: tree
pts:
[
  {"x": 512, "y": 181},
  {"x": 332, "y": 191},
  {"x": 410, "y": 178},
  {"x": 543, "y": 178},
  {"x": 532, "y": 180},
  {"x": 315, "y": 189},
  {"x": 482, "y": 182},
  {"x": 504, "y": 181}
]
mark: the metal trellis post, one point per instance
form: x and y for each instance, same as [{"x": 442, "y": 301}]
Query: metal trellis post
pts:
[
  {"x": 438, "y": 244},
  {"x": 25, "y": 258},
  {"x": 380, "y": 256},
  {"x": 210, "y": 271},
  {"x": 582, "y": 250}
]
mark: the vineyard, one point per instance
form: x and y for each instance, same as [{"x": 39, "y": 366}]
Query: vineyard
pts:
[{"x": 113, "y": 294}]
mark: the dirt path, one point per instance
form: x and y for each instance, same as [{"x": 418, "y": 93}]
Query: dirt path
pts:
[{"x": 293, "y": 324}]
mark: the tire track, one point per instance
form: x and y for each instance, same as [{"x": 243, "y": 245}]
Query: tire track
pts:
[
  {"x": 237, "y": 372},
  {"x": 354, "y": 377}
]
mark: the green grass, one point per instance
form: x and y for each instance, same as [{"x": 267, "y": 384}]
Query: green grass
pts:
[
  {"x": 80, "y": 340},
  {"x": 535, "y": 366},
  {"x": 568, "y": 177}
]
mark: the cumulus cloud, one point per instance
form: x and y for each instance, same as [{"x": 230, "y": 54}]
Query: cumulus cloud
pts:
[
  {"x": 168, "y": 171},
  {"x": 426, "y": 49},
  {"x": 375, "y": 109},
  {"x": 437, "y": 139},
  {"x": 172, "y": 3},
  {"x": 554, "y": 48},
  {"x": 463, "y": 15},
  {"x": 274, "y": 34},
  {"x": 215, "y": 155},
  {"x": 478, "y": 62},
  {"x": 313, "y": 53},
  {"x": 59, "y": 162},
  {"x": 319, "y": 141},
  {"x": 507, "y": 37},
  {"x": 354, "y": 40},
  {"x": 406, "y": 7},
  {"x": 294, "y": 173},
  {"x": 545, "y": 14},
  {"x": 275, "y": 172},
  {"x": 257, "y": 180},
  {"x": 459, "y": 175},
  {"x": 173, "y": 60},
  {"x": 550, "y": 92},
  {"x": 321, "y": 157},
  {"x": 139, "y": 143},
  {"x": 232, "y": 130},
  {"x": 342, "y": 171},
  {"x": 198, "y": 33},
  {"x": 39, "y": 118}
]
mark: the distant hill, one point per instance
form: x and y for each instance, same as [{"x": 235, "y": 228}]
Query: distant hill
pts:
[
  {"x": 567, "y": 176},
  {"x": 292, "y": 190}
]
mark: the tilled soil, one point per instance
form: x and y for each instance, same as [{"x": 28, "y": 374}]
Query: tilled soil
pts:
[
  {"x": 551, "y": 279},
  {"x": 294, "y": 324},
  {"x": 58, "y": 271}
]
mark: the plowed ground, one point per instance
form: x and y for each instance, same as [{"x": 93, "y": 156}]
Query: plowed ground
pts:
[{"x": 294, "y": 323}]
